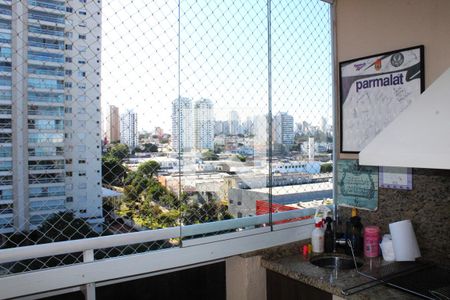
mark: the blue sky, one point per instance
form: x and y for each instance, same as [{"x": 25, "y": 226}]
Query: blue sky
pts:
[{"x": 223, "y": 57}]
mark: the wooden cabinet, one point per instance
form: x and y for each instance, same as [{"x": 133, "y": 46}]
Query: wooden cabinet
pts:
[{"x": 280, "y": 287}]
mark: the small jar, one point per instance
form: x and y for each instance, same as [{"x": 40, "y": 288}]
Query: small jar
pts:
[{"x": 371, "y": 241}]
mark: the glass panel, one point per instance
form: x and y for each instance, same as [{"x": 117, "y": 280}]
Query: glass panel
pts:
[
  {"x": 45, "y": 97},
  {"x": 224, "y": 88},
  {"x": 142, "y": 117},
  {"x": 6, "y": 53},
  {"x": 46, "y": 70},
  {"x": 43, "y": 56},
  {"x": 46, "y": 17},
  {"x": 45, "y": 43},
  {"x": 302, "y": 110},
  {"x": 46, "y": 138},
  {"x": 44, "y": 29},
  {"x": 48, "y": 4},
  {"x": 39, "y": 83}
]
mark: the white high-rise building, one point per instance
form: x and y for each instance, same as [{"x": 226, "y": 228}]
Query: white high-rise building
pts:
[
  {"x": 218, "y": 127},
  {"x": 283, "y": 129},
  {"x": 324, "y": 125},
  {"x": 129, "y": 129},
  {"x": 203, "y": 125},
  {"x": 182, "y": 125},
  {"x": 247, "y": 126},
  {"x": 50, "y": 154},
  {"x": 233, "y": 123},
  {"x": 311, "y": 148},
  {"x": 260, "y": 130},
  {"x": 260, "y": 135}
]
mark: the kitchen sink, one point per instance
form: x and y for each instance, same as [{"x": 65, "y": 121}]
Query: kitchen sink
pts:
[{"x": 335, "y": 261}]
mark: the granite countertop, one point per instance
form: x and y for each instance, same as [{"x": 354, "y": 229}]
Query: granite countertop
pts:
[{"x": 299, "y": 268}]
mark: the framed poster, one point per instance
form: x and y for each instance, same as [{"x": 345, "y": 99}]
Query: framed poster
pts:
[
  {"x": 374, "y": 90},
  {"x": 357, "y": 186}
]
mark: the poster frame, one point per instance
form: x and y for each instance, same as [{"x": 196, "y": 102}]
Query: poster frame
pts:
[{"x": 360, "y": 60}]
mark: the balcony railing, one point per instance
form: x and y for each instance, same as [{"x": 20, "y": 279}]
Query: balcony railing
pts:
[
  {"x": 45, "y": 180},
  {"x": 5, "y": 152},
  {"x": 5, "y": 52},
  {"x": 191, "y": 253},
  {"x": 47, "y": 207},
  {"x": 45, "y": 72},
  {"x": 35, "y": 140},
  {"x": 51, "y": 98},
  {"x": 58, "y": 58},
  {"x": 6, "y": 180},
  {"x": 46, "y": 17},
  {"x": 5, "y": 24},
  {"x": 43, "y": 154},
  {"x": 47, "y": 4},
  {"x": 6, "y": 197},
  {"x": 5, "y": 11},
  {"x": 42, "y": 112},
  {"x": 5, "y": 68},
  {"x": 5, "y": 111},
  {"x": 6, "y": 139},
  {"x": 57, "y": 46},
  {"x": 5, "y": 81},
  {"x": 35, "y": 29},
  {"x": 46, "y": 167},
  {"x": 49, "y": 126},
  {"x": 43, "y": 85},
  {"x": 5, "y": 124},
  {"x": 47, "y": 194}
]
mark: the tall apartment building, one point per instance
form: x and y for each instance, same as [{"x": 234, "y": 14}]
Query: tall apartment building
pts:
[
  {"x": 182, "y": 125},
  {"x": 260, "y": 134},
  {"x": 112, "y": 124},
  {"x": 221, "y": 127},
  {"x": 203, "y": 125},
  {"x": 234, "y": 123},
  {"x": 50, "y": 156},
  {"x": 129, "y": 129},
  {"x": 283, "y": 129}
]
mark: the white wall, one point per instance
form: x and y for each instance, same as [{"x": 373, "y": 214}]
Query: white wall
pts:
[{"x": 366, "y": 27}]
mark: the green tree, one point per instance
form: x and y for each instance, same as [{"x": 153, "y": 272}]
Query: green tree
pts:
[
  {"x": 155, "y": 191},
  {"x": 169, "y": 219},
  {"x": 208, "y": 212},
  {"x": 113, "y": 171},
  {"x": 63, "y": 226},
  {"x": 130, "y": 177},
  {"x": 241, "y": 158},
  {"x": 209, "y": 155},
  {"x": 218, "y": 148},
  {"x": 149, "y": 147},
  {"x": 326, "y": 168},
  {"x": 119, "y": 151},
  {"x": 149, "y": 168},
  {"x": 169, "y": 200},
  {"x": 139, "y": 184}
]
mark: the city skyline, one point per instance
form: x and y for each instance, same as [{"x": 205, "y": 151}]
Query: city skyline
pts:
[
  {"x": 241, "y": 125},
  {"x": 318, "y": 122},
  {"x": 226, "y": 64},
  {"x": 128, "y": 129}
]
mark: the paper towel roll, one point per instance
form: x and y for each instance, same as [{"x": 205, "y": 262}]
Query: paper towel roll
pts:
[{"x": 404, "y": 240}]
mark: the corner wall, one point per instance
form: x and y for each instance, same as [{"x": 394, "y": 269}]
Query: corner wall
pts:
[{"x": 366, "y": 27}]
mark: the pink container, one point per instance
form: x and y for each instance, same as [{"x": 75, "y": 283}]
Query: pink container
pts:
[{"x": 371, "y": 241}]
